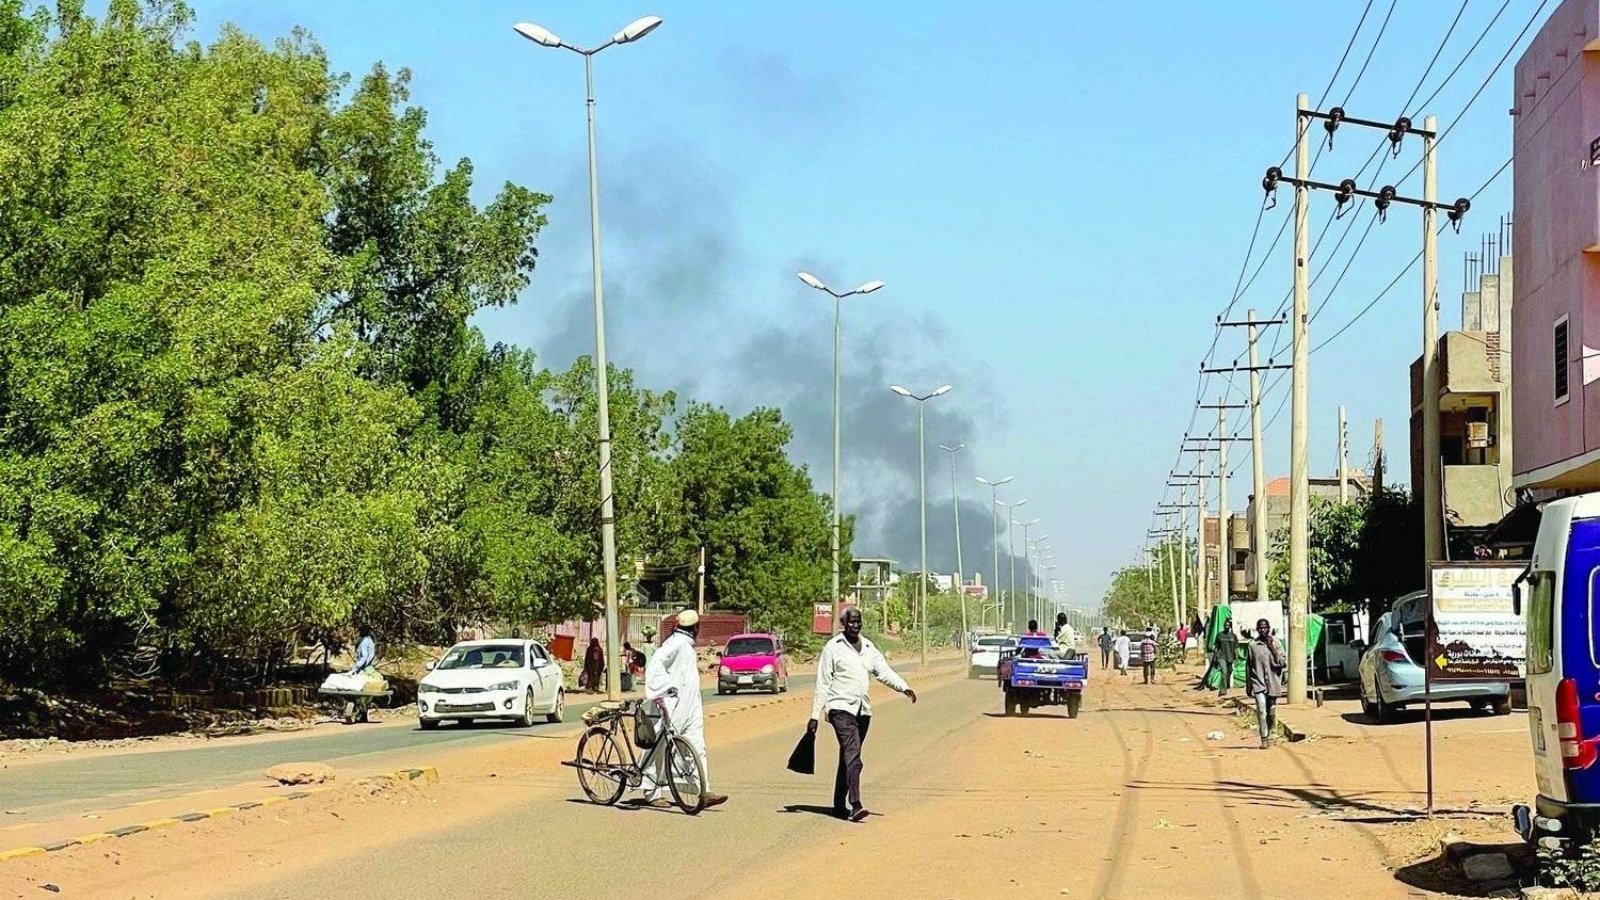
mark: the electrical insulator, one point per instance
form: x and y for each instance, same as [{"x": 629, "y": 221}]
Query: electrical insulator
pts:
[
  {"x": 1335, "y": 116},
  {"x": 1458, "y": 211},
  {"x": 1398, "y": 133},
  {"x": 1347, "y": 189},
  {"x": 1270, "y": 185},
  {"x": 1385, "y": 197}
]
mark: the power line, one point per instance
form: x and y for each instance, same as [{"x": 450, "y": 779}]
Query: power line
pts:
[{"x": 1370, "y": 51}]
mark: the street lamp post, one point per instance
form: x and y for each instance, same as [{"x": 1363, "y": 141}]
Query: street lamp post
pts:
[
  {"x": 813, "y": 281},
  {"x": 633, "y": 31},
  {"x": 922, "y": 494},
  {"x": 1011, "y": 554},
  {"x": 961, "y": 590},
  {"x": 994, "y": 575},
  {"x": 1027, "y": 564}
]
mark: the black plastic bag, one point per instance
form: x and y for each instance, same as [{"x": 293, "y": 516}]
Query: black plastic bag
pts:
[{"x": 804, "y": 757}]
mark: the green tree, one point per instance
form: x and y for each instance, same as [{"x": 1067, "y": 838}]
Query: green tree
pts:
[{"x": 1361, "y": 554}]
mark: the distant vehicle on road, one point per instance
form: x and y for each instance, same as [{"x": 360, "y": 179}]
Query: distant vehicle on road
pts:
[
  {"x": 1039, "y": 672},
  {"x": 986, "y": 652},
  {"x": 753, "y": 662},
  {"x": 492, "y": 679},
  {"x": 1392, "y": 678}
]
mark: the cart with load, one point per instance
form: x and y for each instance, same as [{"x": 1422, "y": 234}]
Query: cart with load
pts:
[
  {"x": 1040, "y": 673},
  {"x": 358, "y": 690}
]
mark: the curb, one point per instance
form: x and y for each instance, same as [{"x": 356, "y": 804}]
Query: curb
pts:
[{"x": 427, "y": 773}]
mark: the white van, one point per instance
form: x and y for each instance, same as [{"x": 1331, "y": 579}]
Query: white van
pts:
[{"x": 1557, "y": 598}]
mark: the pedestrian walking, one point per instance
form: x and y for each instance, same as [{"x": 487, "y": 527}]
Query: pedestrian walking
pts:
[
  {"x": 1182, "y": 635},
  {"x": 1122, "y": 647},
  {"x": 1106, "y": 640},
  {"x": 1227, "y": 651},
  {"x": 1147, "y": 656},
  {"x": 673, "y": 676},
  {"x": 1264, "y": 664},
  {"x": 845, "y": 671},
  {"x": 594, "y": 665}
]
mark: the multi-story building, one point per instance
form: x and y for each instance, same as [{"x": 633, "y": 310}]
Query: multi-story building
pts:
[
  {"x": 1475, "y": 402},
  {"x": 1555, "y": 318},
  {"x": 1275, "y": 506}
]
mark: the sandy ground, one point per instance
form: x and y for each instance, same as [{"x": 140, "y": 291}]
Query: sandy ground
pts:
[{"x": 1130, "y": 800}]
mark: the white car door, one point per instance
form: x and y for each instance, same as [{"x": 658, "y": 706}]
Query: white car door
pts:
[{"x": 546, "y": 674}]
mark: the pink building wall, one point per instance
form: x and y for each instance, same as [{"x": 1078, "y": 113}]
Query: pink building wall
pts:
[{"x": 1556, "y": 245}]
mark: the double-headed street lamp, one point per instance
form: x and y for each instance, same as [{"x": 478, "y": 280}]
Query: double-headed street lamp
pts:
[
  {"x": 634, "y": 30},
  {"x": 955, "y": 501},
  {"x": 1026, "y": 564},
  {"x": 994, "y": 575},
  {"x": 1011, "y": 553},
  {"x": 813, "y": 281},
  {"x": 922, "y": 493}
]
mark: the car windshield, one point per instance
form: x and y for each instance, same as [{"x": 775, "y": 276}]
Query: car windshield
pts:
[
  {"x": 483, "y": 656},
  {"x": 750, "y": 646}
]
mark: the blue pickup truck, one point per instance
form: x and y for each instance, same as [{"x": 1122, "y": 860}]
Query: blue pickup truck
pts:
[{"x": 1038, "y": 673}]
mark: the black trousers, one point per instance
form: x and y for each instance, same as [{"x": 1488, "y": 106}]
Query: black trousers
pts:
[
  {"x": 1105, "y": 657},
  {"x": 851, "y": 731}
]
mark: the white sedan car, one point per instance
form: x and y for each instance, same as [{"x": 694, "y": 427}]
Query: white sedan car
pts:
[
  {"x": 986, "y": 652},
  {"x": 494, "y": 679}
]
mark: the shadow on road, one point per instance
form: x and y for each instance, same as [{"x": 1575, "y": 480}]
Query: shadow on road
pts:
[
  {"x": 1032, "y": 715},
  {"x": 1411, "y": 716},
  {"x": 1441, "y": 873},
  {"x": 814, "y": 810},
  {"x": 1290, "y": 796}
]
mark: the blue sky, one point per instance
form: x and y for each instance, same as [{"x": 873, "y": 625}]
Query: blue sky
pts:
[{"x": 1059, "y": 197}]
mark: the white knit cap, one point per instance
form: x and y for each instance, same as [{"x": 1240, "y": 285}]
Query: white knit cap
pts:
[{"x": 688, "y": 618}]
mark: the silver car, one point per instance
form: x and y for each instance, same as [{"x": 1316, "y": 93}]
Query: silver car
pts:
[{"x": 1391, "y": 678}]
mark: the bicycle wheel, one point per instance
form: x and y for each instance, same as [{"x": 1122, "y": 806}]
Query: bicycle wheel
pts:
[
  {"x": 601, "y": 769},
  {"x": 686, "y": 776}
]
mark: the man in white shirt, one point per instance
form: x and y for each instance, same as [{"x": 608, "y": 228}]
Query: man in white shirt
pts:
[
  {"x": 676, "y": 665},
  {"x": 845, "y": 671}
]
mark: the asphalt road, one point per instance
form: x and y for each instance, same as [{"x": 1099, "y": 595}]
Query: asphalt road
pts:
[
  {"x": 1155, "y": 790},
  {"x": 74, "y": 785}
]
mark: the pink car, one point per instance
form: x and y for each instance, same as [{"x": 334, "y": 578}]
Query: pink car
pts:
[{"x": 753, "y": 661}]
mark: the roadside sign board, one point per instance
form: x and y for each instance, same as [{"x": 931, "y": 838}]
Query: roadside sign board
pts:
[{"x": 1474, "y": 632}]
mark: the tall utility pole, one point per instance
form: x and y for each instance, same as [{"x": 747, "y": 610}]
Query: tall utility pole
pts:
[
  {"x": 1432, "y": 465},
  {"x": 1258, "y": 523},
  {"x": 961, "y": 589},
  {"x": 1181, "y": 605},
  {"x": 1344, "y": 460},
  {"x": 1224, "y": 532},
  {"x": 1344, "y": 191},
  {"x": 1299, "y": 473},
  {"x": 1377, "y": 457}
]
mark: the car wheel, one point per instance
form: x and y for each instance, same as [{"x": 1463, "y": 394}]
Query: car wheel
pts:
[
  {"x": 1368, "y": 708},
  {"x": 783, "y": 686},
  {"x": 1478, "y": 705},
  {"x": 427, "y": 724},
  {"x": 528, "y": 717},
  {"x": 1385, "y": 713},
  {"x": 559, "y": 712},
  {"x": 1074, "y": 703},
  {"x": 1502, "y": 706},
  {"x": 721, "y": 690}
]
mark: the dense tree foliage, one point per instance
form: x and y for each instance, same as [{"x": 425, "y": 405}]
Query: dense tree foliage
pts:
[
  {"x": 1362, "y": 554},
  {"x": 241, "y": 397},
  {"x": 1141, "y": 595}
]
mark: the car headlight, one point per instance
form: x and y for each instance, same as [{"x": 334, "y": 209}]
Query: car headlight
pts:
[
  {"x": 431, "y": 688},
  {"x": 767, "y": 669},
  {"x": 726, "y": 671},
  {"x": 504, "y": 686}
]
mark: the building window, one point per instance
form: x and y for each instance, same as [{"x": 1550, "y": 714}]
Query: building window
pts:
[{"x": 1561, "y": 360}]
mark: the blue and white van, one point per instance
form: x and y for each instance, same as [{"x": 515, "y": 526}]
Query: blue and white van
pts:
[{"x": 1558, "y": 600}]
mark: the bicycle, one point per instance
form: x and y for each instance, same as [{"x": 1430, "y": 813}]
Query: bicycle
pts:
[{"x": 608, "y": 767}]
